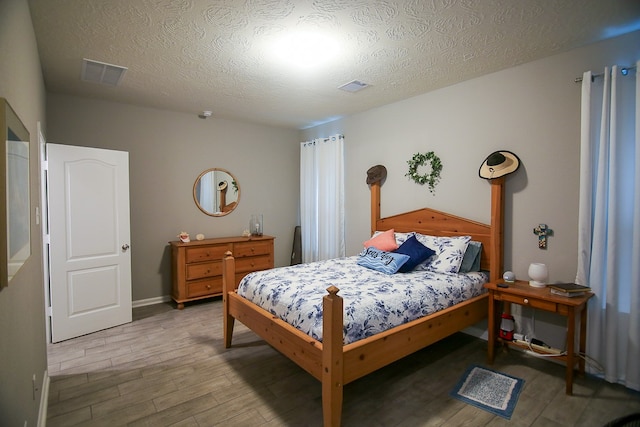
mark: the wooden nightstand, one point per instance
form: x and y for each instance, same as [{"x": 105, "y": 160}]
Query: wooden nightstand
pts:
[{"x": 541, "y": 298}]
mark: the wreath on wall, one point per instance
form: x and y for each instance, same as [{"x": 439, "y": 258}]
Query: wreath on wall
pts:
[{"x": 433, "y": 177}]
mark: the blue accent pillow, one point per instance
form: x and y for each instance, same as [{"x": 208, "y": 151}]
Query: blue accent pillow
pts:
[
  {"x": 417, "y": 252},
  {"x": 471, "y": 259},
  {"x": 384, "y": 262}
]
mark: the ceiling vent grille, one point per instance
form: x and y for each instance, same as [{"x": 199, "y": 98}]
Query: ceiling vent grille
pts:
[
  {"x": 102, "y": 73},
  {"x": 354, "y": 86}
]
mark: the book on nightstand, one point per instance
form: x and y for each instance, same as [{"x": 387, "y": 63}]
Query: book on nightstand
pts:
[{"x": 568, "y": 289}]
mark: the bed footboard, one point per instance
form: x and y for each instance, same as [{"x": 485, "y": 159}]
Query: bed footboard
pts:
[
  {"x": 302, "y": 349},
  {"x": 330, "y": 361}
]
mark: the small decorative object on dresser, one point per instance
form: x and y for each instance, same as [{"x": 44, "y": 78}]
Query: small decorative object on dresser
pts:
[
  {"x": 255, "y": 224},
  {"x": 197, "y": 266}
]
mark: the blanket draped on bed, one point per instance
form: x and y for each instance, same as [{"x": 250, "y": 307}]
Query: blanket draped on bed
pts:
[{"x": 373, "y": 301}]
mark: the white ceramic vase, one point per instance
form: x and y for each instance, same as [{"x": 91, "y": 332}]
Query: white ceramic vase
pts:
[{"x": 538, "y": 273}]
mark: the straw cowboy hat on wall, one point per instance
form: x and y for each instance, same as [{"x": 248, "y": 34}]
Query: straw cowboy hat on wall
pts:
[{"x": 499, "y": 163}]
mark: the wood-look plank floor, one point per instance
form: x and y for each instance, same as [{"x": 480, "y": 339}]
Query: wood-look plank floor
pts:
[{"x": 169, "y": 368}]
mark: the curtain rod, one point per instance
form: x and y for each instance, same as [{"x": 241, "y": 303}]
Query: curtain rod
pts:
[{"x": 624, "y": 71}]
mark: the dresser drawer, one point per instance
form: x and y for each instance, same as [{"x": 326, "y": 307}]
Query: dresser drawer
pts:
[
  {"x": 528, "y": 301},
  {"x": 204, "y": 269},
  {"x": 251, "y": 248},
  {"x": 198, "y": 288},
  {"x": 253, "y": 263},
  {"x": 207, "y": 253}
]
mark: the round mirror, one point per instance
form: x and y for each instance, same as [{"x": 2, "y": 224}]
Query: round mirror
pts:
[{"x": 216, "y": 192}]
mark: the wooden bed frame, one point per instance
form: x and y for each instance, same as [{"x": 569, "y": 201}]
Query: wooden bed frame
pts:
[{"x": 335, "y": 364}]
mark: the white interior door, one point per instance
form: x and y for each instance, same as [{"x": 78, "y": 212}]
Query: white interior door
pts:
[{"x": 90, "y": 261}]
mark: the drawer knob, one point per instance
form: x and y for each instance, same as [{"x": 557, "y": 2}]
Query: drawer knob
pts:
[
  {"x": 208, "y": 286},
  {"x": 526, "y": 301}
]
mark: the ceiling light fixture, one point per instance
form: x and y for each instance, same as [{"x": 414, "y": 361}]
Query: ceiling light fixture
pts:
[{"x": 306, "y": 49}]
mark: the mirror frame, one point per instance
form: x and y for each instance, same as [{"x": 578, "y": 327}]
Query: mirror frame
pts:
[
  {"x": 195, "y": 196},
  {"x": 9, "y": 120}
]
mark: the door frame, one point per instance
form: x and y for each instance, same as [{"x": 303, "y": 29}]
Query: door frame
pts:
[{"x": 43, "y": 217}]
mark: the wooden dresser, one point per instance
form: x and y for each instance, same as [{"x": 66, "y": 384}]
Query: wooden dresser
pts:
[{"x": 197, "y": 265}]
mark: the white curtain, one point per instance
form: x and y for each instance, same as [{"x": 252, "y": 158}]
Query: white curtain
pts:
[
  {"x": 609, "y": 222},
  {"x": 322, "y": 198}
]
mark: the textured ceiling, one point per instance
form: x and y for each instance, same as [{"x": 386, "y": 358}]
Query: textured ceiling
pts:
[{"x": 195, "y": 55}]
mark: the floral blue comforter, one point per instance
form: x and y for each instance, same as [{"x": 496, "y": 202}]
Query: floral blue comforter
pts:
[{"x": 373, "y": 301}]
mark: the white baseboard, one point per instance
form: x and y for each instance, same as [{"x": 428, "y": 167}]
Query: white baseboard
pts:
[
  {"x": 44, "y": 399},
  {"x": 150, "y": 301}
]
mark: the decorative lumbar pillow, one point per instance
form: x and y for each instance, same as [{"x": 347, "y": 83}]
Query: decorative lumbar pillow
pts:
[
  {"x": 471, "y": 259},
  {"x": 385, "y": 241},
  {"x": 417, "y": 252},
  {"x": 449, "y": 253},
  {"x": 382, "y": 261}
]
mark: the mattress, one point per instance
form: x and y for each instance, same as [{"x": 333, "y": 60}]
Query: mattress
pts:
[{"x": 373, "y": 301}]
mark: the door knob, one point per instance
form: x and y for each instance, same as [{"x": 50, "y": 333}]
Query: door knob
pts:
[{"x": 125, "y": 247}]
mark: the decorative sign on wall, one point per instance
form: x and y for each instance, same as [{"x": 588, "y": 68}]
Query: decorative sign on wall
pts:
[{"x": 432, "y": 177}]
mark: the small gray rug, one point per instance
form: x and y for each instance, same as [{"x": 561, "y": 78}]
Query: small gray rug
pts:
[{"x": 490, "y": 390}]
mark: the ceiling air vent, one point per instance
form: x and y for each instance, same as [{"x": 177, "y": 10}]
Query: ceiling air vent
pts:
[
  {"x": 100, "y": 72},
  {"x": 353, "y": 86}
]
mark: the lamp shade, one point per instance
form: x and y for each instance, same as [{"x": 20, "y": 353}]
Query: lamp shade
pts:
[{"x": 538, "y": 273}]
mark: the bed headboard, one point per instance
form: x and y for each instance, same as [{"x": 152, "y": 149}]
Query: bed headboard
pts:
[{"x": 436, "y": 223}]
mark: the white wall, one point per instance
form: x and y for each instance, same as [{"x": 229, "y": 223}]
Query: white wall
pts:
[
  {"x": 167, "y": 152},
  {"x": 23, "y": 351},
  {"x": 532, "y": 110}
]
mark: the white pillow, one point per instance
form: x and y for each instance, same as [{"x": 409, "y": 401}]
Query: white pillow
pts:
[
  {"x": 402, "y": 237},
  {"x": 449, "y": 253}
]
